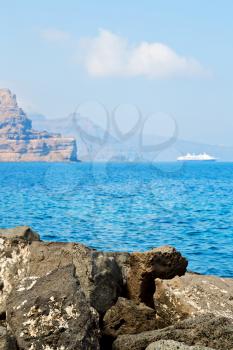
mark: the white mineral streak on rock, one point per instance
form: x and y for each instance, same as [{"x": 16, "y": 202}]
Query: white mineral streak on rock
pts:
[
  {"x": 13, "y": 266},
  {"x": 19, "y": 142},
  {"x": 72, "y": 312},
  {"x": 27, "y": 283},
  {"x": 22, "y": 304},
  {"x": 47, "y": 347},
  {"x": 40, "y": 325}
]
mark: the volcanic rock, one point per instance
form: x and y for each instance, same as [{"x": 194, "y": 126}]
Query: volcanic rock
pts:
[
  {"x": 23, "y": 232},
  {"x": 192, "y": 295},
  {"x": 7, "y": 341},
  {"x": 165, "y": 262},
  {"x": 58, "y": 296},
  {"x": 53, "y": 313},
  {"x": 126, "y": 317},
  {"x": 205, "y": 330},
  {"x": 14, "y": 255},
  {"x": 173, "y": 345},
  {"x": 99, "y": 274}
]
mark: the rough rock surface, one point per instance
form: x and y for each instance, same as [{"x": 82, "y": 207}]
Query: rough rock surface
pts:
[
  {"x": 205, "y": 330},
  {"x": 52, "y": 312},
  {"x": 165, "y": 262},
  {"x": 7, "y": 342},
  {"x": 173, "y": 345},
  {"x": 123, "y": 261},
  {"x": 192, "y": 295},
  {"x": 126, "y": 317},
  {"x": 98, "y": 273},
  {"x": 14, "y": 254},
  {"x": 19, "y": 142},
  {"x": 23, "y": 232},
  {"x": 53, "y": 294}
]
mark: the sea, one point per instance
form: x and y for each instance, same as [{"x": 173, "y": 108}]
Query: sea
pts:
[{"x": 127, "y": 207}]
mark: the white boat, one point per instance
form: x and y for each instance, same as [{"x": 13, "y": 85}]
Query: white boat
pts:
[{"x": 197, "y": 157}]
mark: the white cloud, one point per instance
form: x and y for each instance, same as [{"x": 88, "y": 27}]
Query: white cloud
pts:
[
  {"x": 111, "y": 55},
  {"x": 55, "y": 35}
]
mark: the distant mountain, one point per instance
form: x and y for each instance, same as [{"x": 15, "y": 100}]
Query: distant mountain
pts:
[
  {"x": 20, "y": 142},
  {"x": 94, "y": 143}
]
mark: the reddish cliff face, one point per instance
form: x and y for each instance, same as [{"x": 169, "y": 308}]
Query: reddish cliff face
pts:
[{"x": 19, "y": 142}]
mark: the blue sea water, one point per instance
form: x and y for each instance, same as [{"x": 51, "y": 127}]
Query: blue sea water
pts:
[{"x": 127, "y": 207}]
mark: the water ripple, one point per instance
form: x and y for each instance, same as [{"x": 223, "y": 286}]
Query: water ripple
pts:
[{"x": 126, "y": 207}]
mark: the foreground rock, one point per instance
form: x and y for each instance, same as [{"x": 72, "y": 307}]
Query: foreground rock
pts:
[
  {"x": 58, "y": 296},
  {"x": 99, "y": 274},
  {"x": 163, "y": 263},
  {"x": 7, "y": 342},
  {"x": 19, "y": 142},
  {"x": 23, "y": 232},
  {"x": 126, "y": 317},
  {"x": 173, "y": 345},
  {"x": 52, "y": 312},
  {"x": 192, "y": 295},
  {"x": 14, "y": 255},
  {"x": 205, "y": 330}
]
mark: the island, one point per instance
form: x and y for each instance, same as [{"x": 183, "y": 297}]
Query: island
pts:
[{"x": 20, "y": 142}]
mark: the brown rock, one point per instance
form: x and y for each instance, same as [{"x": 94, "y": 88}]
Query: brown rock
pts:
[
  {"x": 126, "y": 317},
  {"x": 98, "y": 273},
  {"x": 52, "y": 312},
  {"x": 205, "y": 330},
  {"x": 123, "y": 261},
  {"x": 14, "y": 255},
  {"x": 174, "y": 345},
  {"x": 23, "y": 232},
  {"x": 164, "y": 262},
  {"x": 7, "y": 342},
  {"x": 192, "y": 295}
]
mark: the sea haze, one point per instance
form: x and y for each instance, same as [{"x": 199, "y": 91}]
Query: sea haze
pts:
[
  {"x": 127, "y": 149},
  {"x": 127, "y": 206}
]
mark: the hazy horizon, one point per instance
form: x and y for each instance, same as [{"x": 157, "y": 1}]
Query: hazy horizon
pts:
[{"x": 168, "y": 60}]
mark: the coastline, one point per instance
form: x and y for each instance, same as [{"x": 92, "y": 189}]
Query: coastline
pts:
[{"x": 67, "y": 296}]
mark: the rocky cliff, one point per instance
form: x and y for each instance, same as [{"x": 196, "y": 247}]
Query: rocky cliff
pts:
[
  {"x": 20, "y": 142},
  {"x": 66, "y": 296}
]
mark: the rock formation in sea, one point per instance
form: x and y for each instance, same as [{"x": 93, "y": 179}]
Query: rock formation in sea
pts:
[
  {"x": 66, "y": 296},
  {"x": 20, "y": 142}
]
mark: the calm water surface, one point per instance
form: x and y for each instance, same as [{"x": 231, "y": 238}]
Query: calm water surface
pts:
[{"x": 127, "y": 207}]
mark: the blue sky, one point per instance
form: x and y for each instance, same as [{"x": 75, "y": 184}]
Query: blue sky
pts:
[{"x": 172, "y": 57}]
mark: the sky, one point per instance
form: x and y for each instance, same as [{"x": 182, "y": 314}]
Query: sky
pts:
[{"x": 168, "y": 58}]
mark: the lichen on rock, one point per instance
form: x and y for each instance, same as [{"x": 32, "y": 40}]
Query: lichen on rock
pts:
[
  {"x": 13, "y": 267},
  {"x": 55, "y": 313},
  {"x": 66, "y": 296}
]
